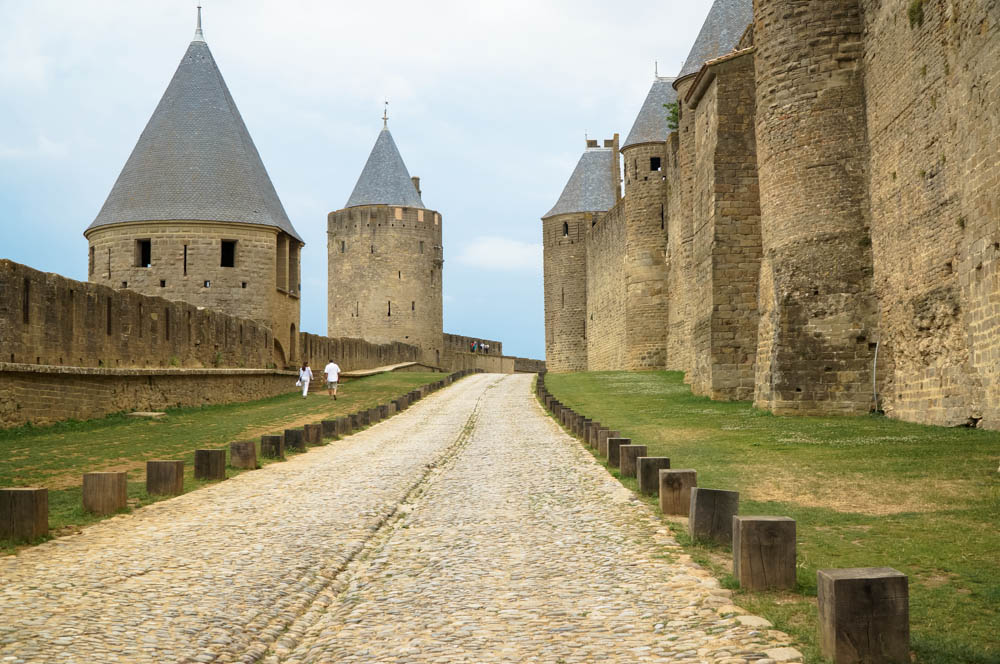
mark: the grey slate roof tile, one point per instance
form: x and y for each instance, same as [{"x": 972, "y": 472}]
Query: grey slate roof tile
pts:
[
  {"x": 651, "y": 123},
  {"x": 384, "y": 179},
  {"x": 720, "y": 33},
  {"x": 591, "y": 187},
  {"x": 195, "y": 160}
]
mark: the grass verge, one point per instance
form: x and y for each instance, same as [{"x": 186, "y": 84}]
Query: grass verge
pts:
[{"x": 864, "y": 491}]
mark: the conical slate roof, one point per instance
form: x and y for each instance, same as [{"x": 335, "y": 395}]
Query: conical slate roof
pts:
[
  {"x": 651, "y": 123},
  {"x": 384, "y": 179},
  {"x": 590, "y": 187},
  {"x": 195, "y": 159},
  {"x": 721, "y": 31}
]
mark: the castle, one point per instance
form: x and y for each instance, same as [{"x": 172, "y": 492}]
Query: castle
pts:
[{"x": 820, "y": 232}]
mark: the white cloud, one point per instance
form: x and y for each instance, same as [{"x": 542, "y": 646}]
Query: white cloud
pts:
[{"x": 500, "y": 254}]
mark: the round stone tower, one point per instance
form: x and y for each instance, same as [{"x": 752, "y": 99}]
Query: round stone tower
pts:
[
  {"x": 193, "y": 215},
  {"x": 386, "y": 258},
  {"x": 590, "y": 192}
]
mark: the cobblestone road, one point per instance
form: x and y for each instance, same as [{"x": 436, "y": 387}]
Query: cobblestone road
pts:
[{"x": 467, "y": 529}]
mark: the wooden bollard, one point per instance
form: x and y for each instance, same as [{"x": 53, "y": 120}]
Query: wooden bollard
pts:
[
  {"x": 614, "y": 445},
  {"x": 24, "y": 513},
  {"x": 627, "y": 458},
  {"x": 373, "y": 415},
  {"x": 391, "y": 409},
  {"x": 647, "y": 471},
  {"x": 864, "y": 615},
  {"x": 343, "y": 426},
  {"x": 210, "y": 464},
  {"x": 329, "y": 428},
  {"x": 272, "y": 447},
  {"x": 711, "y": 514},
  {"x": 602, "y": 440},
  {"x": 764, "y": 552},
  {"x": 313, "y": 433},
  {"x": 355, "y": 421},
  {"x": 366, "y": 418},
  {"x": 164, "y": 478},
  {"x": 295, "y": 440},
  {"x": 675, "y": 490},
  {"x": 383, "y": 411},
  {"x": 106, "y": 492},
  {"x": 243, "y": 454}
]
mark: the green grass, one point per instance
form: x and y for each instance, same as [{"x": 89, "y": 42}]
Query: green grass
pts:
[
  {"x": 57, "y": 456},
  {"x": 864, "y": 491}
]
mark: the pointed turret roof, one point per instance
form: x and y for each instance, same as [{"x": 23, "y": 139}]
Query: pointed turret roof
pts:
[
  {"x": 720, "y": 33},
  {"x": 651, "y": 123},
  {"x": 590, "y": 187},
  {"x": 384, "y": 180},
  {"x": 195, "y": 159}
]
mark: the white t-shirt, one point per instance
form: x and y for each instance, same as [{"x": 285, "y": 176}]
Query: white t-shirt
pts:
[{"x": 332, "y": 372}]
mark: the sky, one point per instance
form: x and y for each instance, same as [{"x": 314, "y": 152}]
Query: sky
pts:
[{"x": 489, "y": 104}]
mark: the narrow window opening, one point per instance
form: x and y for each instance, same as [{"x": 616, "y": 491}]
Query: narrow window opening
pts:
[
  {"x": 228, "y": 253},
  {"x": 109, "y": 263},
  {"x": 293, "y": 268},
  {"x": 661, "y": 217},
  {"x": 243, "y": 284},
  {"x": 654, "y": 163},
  {"x": 124, "y": 284},
  {"x": 357, "y": 308},
  {"x": 90, "y": 263},
  {"x": 166, "y": 323},
  {"x": 373, "y": 248},
  {"x": 562, "y": 296},
  {"x": 26, "y": 302},
  {"x": 421, "y": 246},
  {"x": 185, "y": 260},
  {"x": 208, "y": 283},
  {"x": 343, "y": 246},
  {"x": 143, "y": 253},
  {"x": 565, "y": 229},
  {"x": 163, "y": 283},
  {"x": 413, "y": 305},
  {"x": 390, "y": 308},
  {"x": 399, "y": 274}
]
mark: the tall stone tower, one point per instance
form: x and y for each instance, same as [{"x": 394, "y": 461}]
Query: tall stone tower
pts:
[
  {"x": 645, "y": 157},
  {"x": 193, "y": 215},
  {"x": 386, "y": 258},
  {"x": 592, "y": 190}
]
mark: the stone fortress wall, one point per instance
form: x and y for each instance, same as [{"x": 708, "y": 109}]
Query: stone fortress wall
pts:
[
  {"x": 832, "y": 219},
  {"x": 460, "y": 343},
  {"x": 565, "y": 277}
]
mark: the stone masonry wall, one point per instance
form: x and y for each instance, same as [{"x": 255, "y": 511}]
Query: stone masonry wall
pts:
[
  {"x": 385, "y": 266},
  {"x": 726, "y": 246},
  {"x": 565, "y": 278},
  {"x": 460, "y": 343},
  {"x": 812, "y": 161},
  {"x": 933, "y": 120},
  {"x": 645, "y": 256},
  {"x": 606, "y": 292}
]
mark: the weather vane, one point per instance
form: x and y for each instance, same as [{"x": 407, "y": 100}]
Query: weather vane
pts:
[{"x": 385, "y": 115}]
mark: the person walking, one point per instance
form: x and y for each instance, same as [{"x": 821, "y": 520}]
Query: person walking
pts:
[
  {"x": 305, "y": 375},
  {"x": 332, "y": 372}
]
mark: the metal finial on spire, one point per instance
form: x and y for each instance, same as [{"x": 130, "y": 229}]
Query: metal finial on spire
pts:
[
  {"x": 656, "y": 69},
  {"x": 198, "y": 35},
  {"x": 385, "y": 115}
]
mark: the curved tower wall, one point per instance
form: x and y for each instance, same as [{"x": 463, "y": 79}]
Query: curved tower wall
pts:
[
  {"x": 385, "y": 265},
  {"x": 816, "y": 306},
  {"x": 565, "y": 266}
]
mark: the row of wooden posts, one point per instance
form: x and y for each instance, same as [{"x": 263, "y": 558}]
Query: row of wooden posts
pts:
[
  {"x": 24, "y": 511},
  {"x": 863, "y": 612}
]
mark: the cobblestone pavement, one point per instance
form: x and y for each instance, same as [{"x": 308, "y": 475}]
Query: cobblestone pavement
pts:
[{"x": 469, "y": 528}]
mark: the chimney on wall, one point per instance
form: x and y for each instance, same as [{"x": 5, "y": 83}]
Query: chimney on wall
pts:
[
  {"x": 591, "y": 142},
  {"x": 416, "y": 184},
  {"x": 616, "y": 172}
]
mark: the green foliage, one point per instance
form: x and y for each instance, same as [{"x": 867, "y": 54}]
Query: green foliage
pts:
[
  {"x": 916, "y": 13},
  {"x": 864, "y": 491},
  {"x": 174, "y": 362},
  {"x": 673, "y": 115},
  {"x": 217, "y": 360}
]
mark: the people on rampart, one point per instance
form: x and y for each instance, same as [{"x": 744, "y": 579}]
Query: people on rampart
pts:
[
  {"x": 332, "y": 371},
  {"x": 305, "y": 375}
]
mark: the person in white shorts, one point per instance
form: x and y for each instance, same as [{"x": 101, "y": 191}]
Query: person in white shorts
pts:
[{"x": 332, "y": 372}]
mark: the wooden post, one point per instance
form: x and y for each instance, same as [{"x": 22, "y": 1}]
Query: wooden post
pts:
[
  {"x": 391, "y": 409},
  {"x": 711, "y": 514},
  {"x": 675, "y": 490},
  {"x": 24, "y": 513},
  {"x": 383, "y": 411},
  {"x": 374, "y": 416},
  {"x": 105, "y": 492},
  {"x": 243, "y": 454},
  {"x": 602, "y": 440},
  {"x": 313, "y": 434},
  {"x": 627, "y": 456},
  {"x": 864, "y": 615},
  {"x": 164, "y": 478},
  {"x": 210, "y": 464},
  {"x": 764, "y": 552},
  {"x": 329, "y": 428},
  {"x": 647, "y": 470},
  {"x": 343, "y": 426},
  {"x": 295, "y": 440},
  {"x": 614, "y": 445},
  {"x": 355, "y": 421},
  {"x": 272, "y": 447}
]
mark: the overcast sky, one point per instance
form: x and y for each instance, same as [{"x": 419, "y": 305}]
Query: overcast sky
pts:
[{"x": 489, "y": 104}]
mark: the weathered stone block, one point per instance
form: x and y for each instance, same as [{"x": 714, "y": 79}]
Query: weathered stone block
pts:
[
  {"x": 711, "y": 515},
  {"x": 164, "y": 478},
  {"x": 272, "y": 447},
  {"x": 764, "y": 552},
  {"x": 864, "y": 615},
  {"x": 24, "y": 513},
  {"x": 107, "y": 492},
  {"x": 675, "y": 490},
  {"x": 627, "y": 457},
  {"x": 648, "y": 473},
  {"x": 208, "y": 465},
  {"x": 243, "y": 454},
  {"x": 614, "y": 445}
]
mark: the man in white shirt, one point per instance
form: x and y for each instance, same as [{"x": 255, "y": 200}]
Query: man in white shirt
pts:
[{"x": 332, "y": 372}]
